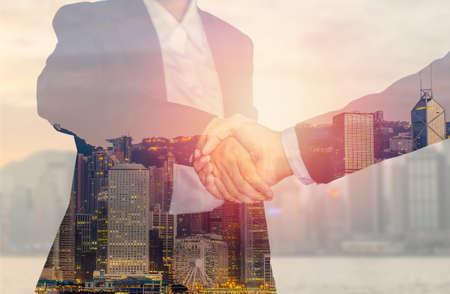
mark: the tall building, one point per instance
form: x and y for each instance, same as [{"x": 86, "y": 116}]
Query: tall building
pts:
[
  {"x": 204, "y": 257},
  {"x": 231, "y": 218},
  {"x": 353, "y": 134},
  {"x": 161, "y": 183},
  {"x": 80, "y": 182},
  {"x": 98, "y": 164},
  {"x": 365, "y": 202},
  {"x": 155, "y": 251},
  {"x": 122, "y": 148},
  {"x": 192, "y": 224},
  {"x": 448, "y": 130},
  {"x": 401, "y": 144},
  {"x": 254, "y": 242},
  {"x": 102, "y": 229},
  {"x": 51, "y": 267},
  {"x": 215, "y": 221},
  {"x": 428, "y": 121},
  {"x": 269, "y": 281},
  {"x": 128, "y": 220},
  {"x": 379, "y": 138},
  {"x": 426, "y": 198},
  {"x": 165, "y": 225},
  {"x": 67, "y": 242},
  {"x": 85, "y": 246}
]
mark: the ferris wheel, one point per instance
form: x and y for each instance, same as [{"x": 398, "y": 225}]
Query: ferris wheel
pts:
[{"x": 197, "y": 273}]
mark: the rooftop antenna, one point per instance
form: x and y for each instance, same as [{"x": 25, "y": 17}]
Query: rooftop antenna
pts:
[
  {"x": 431, "y": 79},
  {"x": 420, "y": 82}
]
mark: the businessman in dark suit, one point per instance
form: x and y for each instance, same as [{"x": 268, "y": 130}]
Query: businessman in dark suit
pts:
[{"x": 145, "y": 68}]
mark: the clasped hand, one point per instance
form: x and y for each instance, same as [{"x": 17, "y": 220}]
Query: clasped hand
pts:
[{"x": 239, "y": 160}]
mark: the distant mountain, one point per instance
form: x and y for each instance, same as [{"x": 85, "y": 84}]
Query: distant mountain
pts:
[{"x": 398, "y": 99}]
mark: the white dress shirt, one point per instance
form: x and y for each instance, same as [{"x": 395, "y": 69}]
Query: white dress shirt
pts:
[{"x": 189, "y": 69}]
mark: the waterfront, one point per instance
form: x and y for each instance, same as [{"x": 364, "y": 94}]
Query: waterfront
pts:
[{"x": 300, "y": 275}]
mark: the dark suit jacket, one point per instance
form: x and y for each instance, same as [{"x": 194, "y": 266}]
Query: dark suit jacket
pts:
[{"x": 105, "y": 77}]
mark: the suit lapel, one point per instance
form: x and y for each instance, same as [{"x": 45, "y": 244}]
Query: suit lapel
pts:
[
  {"x": 222, "y": 61},
  {"x": 141, "y": 47}
]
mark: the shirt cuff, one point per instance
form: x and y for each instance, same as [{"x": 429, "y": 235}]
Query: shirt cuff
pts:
[{"x": 293, "y": 155}]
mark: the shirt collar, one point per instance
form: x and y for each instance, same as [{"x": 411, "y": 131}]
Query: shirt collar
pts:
[{"x": 165, "y": 23}]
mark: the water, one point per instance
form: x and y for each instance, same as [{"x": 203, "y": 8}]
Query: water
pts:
[
  {"x": 397, "y": 275},
  {"x": 323, "y": 275}
]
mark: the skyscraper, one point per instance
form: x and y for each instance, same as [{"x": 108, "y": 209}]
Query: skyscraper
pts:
[
  {"x": 255, "y": 243},
  {"x": 102, "y": 229},
  {"x": 448, "y": 129},
  {"x": 426, "y": 199},
  {"x": 128, "y": 220},
  {"x": 192, "y": 224},
  {"x": 85, "y": 246},
  {"x": 269, "y": 281},
  {"x": 231, "y": 227},
  {"x": 155, "y": 251},
  {"x": 353, "y": 134},
  {"x": 122, "y": 147},
  {"x": 165, "y": 225},
  {"x": 428, "y": 121}
]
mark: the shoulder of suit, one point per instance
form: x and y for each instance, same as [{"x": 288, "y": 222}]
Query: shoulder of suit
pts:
[
  {"x": 84, "y": 13},
  {"x": 231, "y": 32}
]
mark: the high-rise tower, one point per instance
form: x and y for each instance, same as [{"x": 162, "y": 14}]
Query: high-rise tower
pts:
[
  {"x": 428, "y": 120},
  {"x": 128, "y": 220}
]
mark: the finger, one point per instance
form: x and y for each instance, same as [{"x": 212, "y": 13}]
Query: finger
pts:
[
  {"x": 205, "y": 173},
  {"x": 240, "y": 182},
  {"x": 223, "y": 191},
  {"x": 252, "y": 177},
  {"x": 210, "y": 145},
  {"x": 220, "y": 128},
  {"x": 200, "y": 163},
  {"x": 213, "y": 190},
  {"x": 231, "y": 189}
]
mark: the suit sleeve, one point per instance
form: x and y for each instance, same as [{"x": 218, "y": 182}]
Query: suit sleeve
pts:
[
  {"x": 315, "y": 153},
  {"x": 70, "y": 70}
]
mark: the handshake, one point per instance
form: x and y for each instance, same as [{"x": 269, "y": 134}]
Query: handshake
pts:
[{"x": 239, "y": 160}]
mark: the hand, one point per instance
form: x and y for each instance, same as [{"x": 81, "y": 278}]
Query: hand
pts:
[
  {"x": 231, "y": 175},
  {"x": 264, "y": 145}
]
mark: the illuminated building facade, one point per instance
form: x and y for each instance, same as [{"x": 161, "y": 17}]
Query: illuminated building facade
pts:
[
  {"x": 255, "y": 243},
  {"x": 128, "y": 220},
  {"x": 269, "y": 281},
  {"x": 353, "y": 142},
  {"x": 428, "y": 121},
  {"x": 66, "y": 250},
  {"x": 231, "y": 225},
  {"x": 165, "y": 225},
  {"x": 401, "y": 144},
  {"x": 85, "y": 246}
]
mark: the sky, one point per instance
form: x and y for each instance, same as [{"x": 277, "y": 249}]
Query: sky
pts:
[{"x": 310, "y": 57}]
